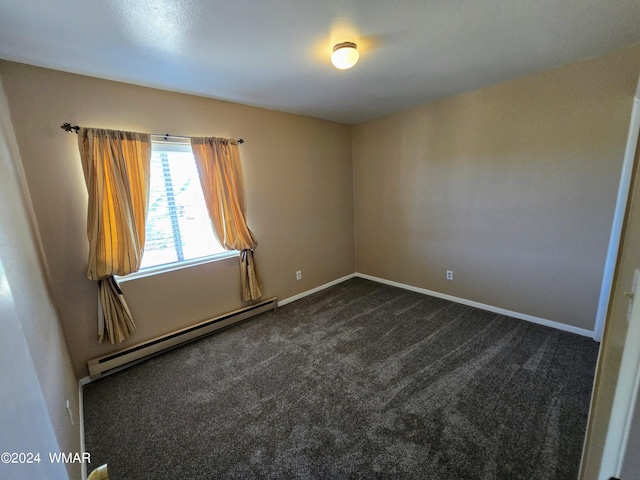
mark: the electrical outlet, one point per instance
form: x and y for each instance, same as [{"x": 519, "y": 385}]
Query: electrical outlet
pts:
[
  {"x": 299, "y": 275},
  {"x": 633, "y": 295},
  {"x": 449, "y": 274},
  {"x": 69, "y": 412}
]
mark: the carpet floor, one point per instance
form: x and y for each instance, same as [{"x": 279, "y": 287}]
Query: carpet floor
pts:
[{"x": 361, "y": 380}]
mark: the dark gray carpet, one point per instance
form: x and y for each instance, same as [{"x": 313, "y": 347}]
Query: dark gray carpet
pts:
[{"x": 361, "y": 380}]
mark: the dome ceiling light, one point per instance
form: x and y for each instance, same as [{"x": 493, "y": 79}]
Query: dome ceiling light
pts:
[{"x": 345, "y": 55}]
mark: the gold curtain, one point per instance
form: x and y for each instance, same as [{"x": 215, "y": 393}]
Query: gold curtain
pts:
[
  {"x": 116, "y": 170},
  {"x": 222, "y": 181}
]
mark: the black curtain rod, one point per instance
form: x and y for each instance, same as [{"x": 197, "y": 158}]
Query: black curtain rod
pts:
[{"x": 67, "y": 127}]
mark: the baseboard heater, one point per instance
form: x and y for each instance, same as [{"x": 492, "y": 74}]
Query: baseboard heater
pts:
[{"x": 131, "y": 355}]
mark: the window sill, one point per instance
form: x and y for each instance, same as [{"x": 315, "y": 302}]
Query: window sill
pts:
[{"x": 170, "y": 267}]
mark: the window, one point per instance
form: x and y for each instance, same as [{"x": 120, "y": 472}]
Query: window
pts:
[{"x": 178, "y": 227}]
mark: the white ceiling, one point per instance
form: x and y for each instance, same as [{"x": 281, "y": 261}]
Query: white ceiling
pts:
[{"x": 276, "y": 54}]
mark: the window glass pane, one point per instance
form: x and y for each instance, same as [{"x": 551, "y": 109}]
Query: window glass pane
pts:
[{"x": 178, "y": 226}]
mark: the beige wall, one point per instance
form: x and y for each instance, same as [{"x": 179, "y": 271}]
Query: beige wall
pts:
[
  {"x": 512, "y": 187},
  {"x": 36, "y": 373},
  {"x": 299, "y": 197}
]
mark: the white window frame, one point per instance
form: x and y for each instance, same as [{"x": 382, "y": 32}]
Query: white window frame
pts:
[{"x": 176, "y": 144}]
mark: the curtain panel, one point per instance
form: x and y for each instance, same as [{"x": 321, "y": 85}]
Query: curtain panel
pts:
[
  {"x": 222, "y": 181},
  {"x": 116, "y": 169}
]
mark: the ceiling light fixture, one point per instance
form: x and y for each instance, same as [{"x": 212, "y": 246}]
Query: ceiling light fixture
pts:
[{"x": 345, "y": 55}]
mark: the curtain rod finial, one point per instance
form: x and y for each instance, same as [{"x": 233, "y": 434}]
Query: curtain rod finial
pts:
[{"x": 67, "y": 127}]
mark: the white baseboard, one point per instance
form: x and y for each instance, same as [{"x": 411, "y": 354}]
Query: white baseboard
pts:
[
  {"x": 490, "y": 308},
  {"x": 482, "y": 306},
  {"x": 83, "y": 449},
  {"x": 315, "y": 290}
]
